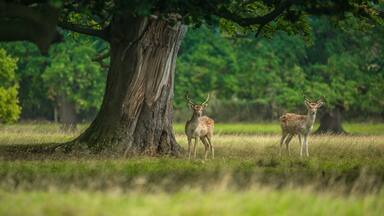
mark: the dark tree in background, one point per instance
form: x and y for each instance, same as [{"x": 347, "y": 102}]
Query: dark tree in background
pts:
[
  {"x": 144, "y": 37},
  {"x": 345, "y": 65}
]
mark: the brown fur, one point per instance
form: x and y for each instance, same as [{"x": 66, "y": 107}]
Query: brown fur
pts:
[
  {"x": 293, "y": 124},
  {"x": 204, "y": 128},
  {"x": 199, "y": 127},
  {"x": 209, "y": 123}
]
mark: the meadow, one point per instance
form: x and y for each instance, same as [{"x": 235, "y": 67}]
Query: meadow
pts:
[{"x": 344, "y": 175}]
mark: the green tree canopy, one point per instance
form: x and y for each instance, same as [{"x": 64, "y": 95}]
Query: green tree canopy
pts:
[
  {"x": 72, "y": 72},
  {"x": 207, "y": 63},
  {"x": 342, "y": 64},
  {"x": 32, "y": 90},
  {"x": 9, "y": 103}
]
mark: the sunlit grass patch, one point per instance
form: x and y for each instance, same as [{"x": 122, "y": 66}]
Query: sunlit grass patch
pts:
[
  {"x": 29, "y": 133},
  {"x": 274, "y": 128},
  {"x": 364, "y": 128},
  {"x": 52, "y": 131}
]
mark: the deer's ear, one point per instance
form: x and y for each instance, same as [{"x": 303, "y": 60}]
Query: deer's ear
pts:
[
  {"x": 320, "y": 103},
  {"x": 205, "y": 105},
  {"x": 192, "y": 106}
]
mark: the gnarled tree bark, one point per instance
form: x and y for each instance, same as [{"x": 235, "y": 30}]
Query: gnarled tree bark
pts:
[{"x": 136, "y": 113}]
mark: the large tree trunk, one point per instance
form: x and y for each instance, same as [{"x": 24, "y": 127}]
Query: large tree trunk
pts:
[
  {"x": 67, "y": 113},
  {"x": 136, "y": 114},
  {"x": 330, "y": 122}
]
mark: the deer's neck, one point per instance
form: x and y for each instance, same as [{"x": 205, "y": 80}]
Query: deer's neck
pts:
[
  {"x": 195, "y": 117},
  {"x": 310, "y": 119}
]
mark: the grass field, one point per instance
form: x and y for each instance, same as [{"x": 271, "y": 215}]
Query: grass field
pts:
[
  {"x": 343, "y": 176},
  {"x": 274, "y": 128}
]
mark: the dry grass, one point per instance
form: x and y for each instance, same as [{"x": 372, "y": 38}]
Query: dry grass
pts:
[
  {"x": 343, "y": 176},
  {"x": 336, "y": 146}
]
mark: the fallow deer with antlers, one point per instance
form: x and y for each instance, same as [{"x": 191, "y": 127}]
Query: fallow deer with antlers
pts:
[
  {"x": 199, "y": 127},
  {"x": 292, "y": 124}
]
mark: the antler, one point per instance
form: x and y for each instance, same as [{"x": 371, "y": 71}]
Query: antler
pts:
[
  {"x": 306, "y": 99},
  {"x": 188, "y": 99},
  {"x": 321, "y": 100},
  {"x": 206, "y": 100}
]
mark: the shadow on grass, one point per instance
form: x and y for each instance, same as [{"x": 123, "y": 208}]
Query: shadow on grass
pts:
[
  {"x": 44, "y": 151},
  {"x": 25, "y": 151}
]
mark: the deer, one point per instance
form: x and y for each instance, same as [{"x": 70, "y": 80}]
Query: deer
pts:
[
  {"x": 199, "y": 127},
  {"x": 292, "y": 124}
]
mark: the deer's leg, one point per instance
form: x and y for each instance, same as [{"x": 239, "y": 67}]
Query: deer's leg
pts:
[
  {"x": 284, "y": 135},
  {"x": 194, "y": 147},
  {"x": 301, "y": 145},
  {"x": 189, "y": 147},
  {"x": 287, "y": 143},
  {"x": 206, "y": 147},
  {"x": 211, "y": 147},
  {"x": 306, "y": 144}
]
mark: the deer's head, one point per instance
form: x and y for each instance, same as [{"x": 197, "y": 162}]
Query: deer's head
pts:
[
  {"x": 312, "y": 106},
  {"x": 197, "y": 108}
]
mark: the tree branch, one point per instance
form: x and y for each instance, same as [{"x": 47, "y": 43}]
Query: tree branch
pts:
[
  {"x": 10, "y": 10},
  {"x": 259, "y": 29},
  {"x": 102, "y": 56},
  {"x": 247, "y": 21},
  {"x": 35, "y": 24},
  {"x": 103, "y": 65},
  {"x": 103, "y": 33}
]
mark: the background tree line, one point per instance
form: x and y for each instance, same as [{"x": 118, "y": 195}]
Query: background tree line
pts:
[
  {"x": 251, "y": 79},
  {"x": 66, "y": 85},
  {"x": 260, "y": 79}
]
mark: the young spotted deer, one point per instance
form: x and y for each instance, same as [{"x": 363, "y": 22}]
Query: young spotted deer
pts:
[
  {"x": 292, "y": 124},
  {"x": 199, "y": 127}
]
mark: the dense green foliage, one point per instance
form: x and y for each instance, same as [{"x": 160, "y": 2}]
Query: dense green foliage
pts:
[
  {"x": 266, "y": 76},
  {"x": 347, "y": 65},
  {"x": 68, "y": 71},
  {"x": 9, "y": 103},
  {"x": 72, "y": 73},
  {"x": 207, "y": 62},
  {"x": 32, "y": 92},
  {"x": 234, "y": 16},
  {"x": 342, "y": 64},
  {"x": 299, "y": 55}
]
